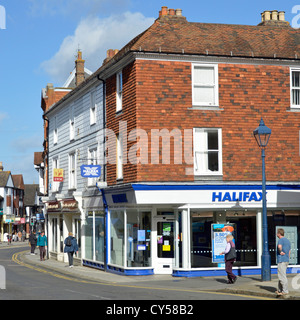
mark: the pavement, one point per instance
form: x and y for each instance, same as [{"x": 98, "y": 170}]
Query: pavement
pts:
[{"x": 245, "y": 285}]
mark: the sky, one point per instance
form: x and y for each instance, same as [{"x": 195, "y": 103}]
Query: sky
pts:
[{"x": 39, "y": 40}]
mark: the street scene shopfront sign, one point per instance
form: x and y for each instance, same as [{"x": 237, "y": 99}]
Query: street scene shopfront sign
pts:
[
  {"x": 90, "y": 171},
  {"x": 233, "y": 196}
]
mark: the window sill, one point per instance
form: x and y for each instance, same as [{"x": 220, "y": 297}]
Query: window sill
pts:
[
  {"x": 217, "y": 177},
  {"x": 293, "y": 109},
  {"x": 119, "y": 112},
  {"x": 211, "y": 108}
]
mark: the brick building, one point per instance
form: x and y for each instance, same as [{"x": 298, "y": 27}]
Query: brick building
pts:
[{"x": 181, "y": 101}]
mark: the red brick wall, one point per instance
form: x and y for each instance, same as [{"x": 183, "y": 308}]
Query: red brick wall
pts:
[{"x": 246, "y": 92}]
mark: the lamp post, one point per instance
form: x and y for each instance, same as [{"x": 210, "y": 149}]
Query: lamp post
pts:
[{"x": 262, "y": 136}]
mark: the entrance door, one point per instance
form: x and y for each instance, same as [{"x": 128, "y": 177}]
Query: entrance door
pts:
[{"x": 165, "y": 246}]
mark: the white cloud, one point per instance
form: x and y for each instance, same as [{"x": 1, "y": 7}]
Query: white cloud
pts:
[{"x": 95, "y": 36}]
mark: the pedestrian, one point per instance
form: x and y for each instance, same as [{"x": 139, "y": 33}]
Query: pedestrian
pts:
[
  {"x": 230, "y": 257},
  {"x": 33, "y": 242},
  {"x": 42, "y": 244},
  {"x": 19, "y": 236},
  {"x": 283, "y": 258},
  {"x": 23, "y": 235},
  {"x": 71, "y": 246}
]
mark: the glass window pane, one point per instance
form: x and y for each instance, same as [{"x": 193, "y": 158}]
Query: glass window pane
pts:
[
  {"x": 99, "y": 236},
  {"x": 89, "y": 237},
  {"x": 204, "y": 75},
  {"x": 204, "y": 95},
  {"x": 212, "y": 137},
  {"x": 138, "y": 238},
  {"x": 296, "y": 78},
  {"x": 117, "y": 238}
]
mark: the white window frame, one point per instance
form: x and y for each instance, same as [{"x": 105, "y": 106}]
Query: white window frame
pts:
[
  {"x": 200, "y": 140},
  {"x": 93, "y": 107},
  {"x": 119, "y": 91},
  {"x": 119, "y": 155},
  {"x": 72, "y": 170},
  {"x": 92, "y": 160},
  {"x": 72, "y": 123},
  {"x": 55, "y": 131},
  {"x": 294, "y": 106},
  {"x": 215, "y": 85},
  {"x": 55, "y": 165}
]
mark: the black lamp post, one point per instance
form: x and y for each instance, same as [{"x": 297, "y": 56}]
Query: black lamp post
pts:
[{"x": 262, "y": 136}]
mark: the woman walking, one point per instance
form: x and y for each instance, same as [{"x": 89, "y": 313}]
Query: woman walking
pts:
[
  {"x": 230, "y": 256},
  {"x": 42, "y": 244}
]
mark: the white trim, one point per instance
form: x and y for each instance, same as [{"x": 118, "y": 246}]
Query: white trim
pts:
[
  {"x": 215, "y": 85},
  {"x": 220, "y": 166}
]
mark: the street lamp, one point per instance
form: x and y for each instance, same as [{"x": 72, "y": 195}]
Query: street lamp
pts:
[{"x": 262, "y": 136}]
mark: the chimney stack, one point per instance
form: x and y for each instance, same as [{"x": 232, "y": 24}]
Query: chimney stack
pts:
[
  {"x": 110, "y": 53},
  {"x": 273, "y": 18},
  {"x": 79, "y": 63},
  {"x": 1, "y": 166},
  {"x": 170, "y": 13}
]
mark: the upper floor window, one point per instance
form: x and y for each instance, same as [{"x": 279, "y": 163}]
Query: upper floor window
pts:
[
  {"x": 55, "y": 131},
  {"x": 55, "y": 165},
  {"x": 119, "y": 91},
  {"x": 207, "y": 151},
  {"x": 295, "y": 88},
  {"x": 205, "y": 85},
  {"x": 72, "y": 170},
  {"x": 72, "y": 123},
  {"x": 92, "y": 160},
  {"x": 119, "y": 157},
  {"x": 93, "y": 108}
]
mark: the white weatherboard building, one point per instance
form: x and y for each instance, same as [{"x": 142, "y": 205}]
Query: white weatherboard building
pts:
[{"x": 75, "y": 142}]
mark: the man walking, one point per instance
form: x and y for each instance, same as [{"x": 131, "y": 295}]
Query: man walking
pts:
[
  {"x": 71, "y": 246},
  {"x": 283, "y": 257}
]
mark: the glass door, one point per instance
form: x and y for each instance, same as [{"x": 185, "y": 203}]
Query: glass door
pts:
[{"x": 165, "y": 246}]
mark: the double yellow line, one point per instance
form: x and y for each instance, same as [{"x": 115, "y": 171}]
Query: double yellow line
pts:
[{"x": 16, "y": 259}]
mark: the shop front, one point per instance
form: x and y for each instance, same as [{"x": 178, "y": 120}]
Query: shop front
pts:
[
  {"x": 63, "y": 217},
  {"x": 178, "y": 229}
]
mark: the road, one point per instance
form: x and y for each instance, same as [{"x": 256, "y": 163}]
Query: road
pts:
[{"x": 24, "y": 283}]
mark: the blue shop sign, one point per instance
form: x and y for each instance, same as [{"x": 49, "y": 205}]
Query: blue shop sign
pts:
[
  {"x": 90, "y": 171},
  {"x": 237, "y": 196}
]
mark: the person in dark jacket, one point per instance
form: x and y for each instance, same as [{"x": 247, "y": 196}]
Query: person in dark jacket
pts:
[
  {"x": 230, "y": 256},
  {"x": 71, "y": 246},
  {"x": 33, "y": 241}
]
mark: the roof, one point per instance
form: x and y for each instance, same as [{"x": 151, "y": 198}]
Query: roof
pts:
[
  {"x": 176, "y": 35},
  {"x": 31, "y": 190},
  {"x": 18, "y": 181},
  {"x": 4, "y": 175}
]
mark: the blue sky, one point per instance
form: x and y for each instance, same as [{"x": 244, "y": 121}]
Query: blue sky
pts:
[{"x": 39, "y": 46}]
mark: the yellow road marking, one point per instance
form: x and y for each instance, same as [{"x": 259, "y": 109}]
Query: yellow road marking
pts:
[{"x": 15, "y": 258}]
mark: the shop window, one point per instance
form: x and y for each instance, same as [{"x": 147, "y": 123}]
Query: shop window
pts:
[
  {"x": 94, "y": 236},
  {"x": 117, "y": 238},
  {"x": 245, "y": 240},
  {"x": 99, "y": 236},
  {"x": 89, "y": 236},
  {"x": 138, "y": 239},
  {"x": 54, "y": 235}
]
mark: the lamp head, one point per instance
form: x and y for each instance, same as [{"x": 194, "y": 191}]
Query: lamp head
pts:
[{"x": 262, "y": 134}]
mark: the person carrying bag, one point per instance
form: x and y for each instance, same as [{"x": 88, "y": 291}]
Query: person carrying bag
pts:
[{"x": 230, "y": 257}]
